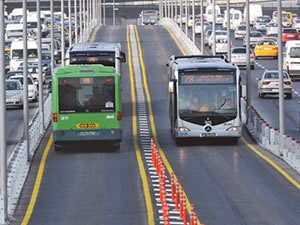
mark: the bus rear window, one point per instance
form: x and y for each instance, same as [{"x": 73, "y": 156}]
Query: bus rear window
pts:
[{"x": 86, "y": 95}]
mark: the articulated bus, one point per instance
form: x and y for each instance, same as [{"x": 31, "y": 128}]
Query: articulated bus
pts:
[
  {"x": 204, "y": 98},
  {"x": 104, "y": 53},
  {"x": 86, "y": 105}
]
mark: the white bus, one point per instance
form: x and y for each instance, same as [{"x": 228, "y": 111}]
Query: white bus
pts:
[
  {"x": 204, "y": 98},
  {"x": 104, "y": 53}
]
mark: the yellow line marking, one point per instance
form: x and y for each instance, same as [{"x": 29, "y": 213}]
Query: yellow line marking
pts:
[
  {"x": 175, "y": 40},
  {"x": 92, "y": 39},
  {"x": 273, "y": 164},
  {"x": 39, "y": 176},
  {"x": 37, "y": 184},
  {"x": 134, "y": 130},
  {"x": 151, "y": 117}
]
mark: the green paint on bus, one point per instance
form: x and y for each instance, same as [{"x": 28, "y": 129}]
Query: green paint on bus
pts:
[{"x": 86, "y": 105}]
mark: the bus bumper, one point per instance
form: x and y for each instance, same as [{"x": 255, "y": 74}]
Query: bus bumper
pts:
[
  {"x": 108, "y": 135},
  {"x": 203, "y": 134}
]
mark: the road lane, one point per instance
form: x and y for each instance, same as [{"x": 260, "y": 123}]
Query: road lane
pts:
[
  {"x": 91, "y": 184},
  {"x": 227, "y": 184}
]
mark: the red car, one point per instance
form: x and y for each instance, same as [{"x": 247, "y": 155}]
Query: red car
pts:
[{"x": 289, "y": 34}]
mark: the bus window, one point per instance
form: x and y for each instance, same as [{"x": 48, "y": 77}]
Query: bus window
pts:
[{"x": 86, "y": 94}]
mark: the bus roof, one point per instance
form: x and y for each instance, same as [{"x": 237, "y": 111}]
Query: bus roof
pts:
[
  {"x": 95, "y": 46},
  {"x": 202, "y": 62},
  {"x": 85, "y": 69}
]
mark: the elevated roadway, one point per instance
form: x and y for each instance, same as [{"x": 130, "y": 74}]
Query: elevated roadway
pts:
[{"x": 228, "y": 184}]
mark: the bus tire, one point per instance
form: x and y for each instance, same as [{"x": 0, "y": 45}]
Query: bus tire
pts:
[{"x": 116, "y": 147}]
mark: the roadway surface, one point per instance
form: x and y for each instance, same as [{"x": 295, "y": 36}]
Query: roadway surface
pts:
[{"x": 228, "y": 184}]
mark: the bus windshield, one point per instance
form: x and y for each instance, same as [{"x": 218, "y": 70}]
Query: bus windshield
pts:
[
  {"x": 106, "y": 58},
  {"x": 207, "y": 95},
  {"x": 86, "y": 95}
]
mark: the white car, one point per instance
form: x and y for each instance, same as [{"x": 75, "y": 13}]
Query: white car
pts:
[
  {"x": 221, "y": 45},
  {"x": 240, "y": 32},
  {"x": 239, "y": 57},
  {"x": 198, "y": 26},
  {"x": 32, "y": 88},
  {"x": 297, "y": 24},
  {"x": 261, "y": 23},
  {"x": 272, "y": 28},
  {"x": 220, "y": 19},
  {"x": 219, "y": 34},
  {"x": 14, "y": 93},
  {"x": 269, "y": 84}
]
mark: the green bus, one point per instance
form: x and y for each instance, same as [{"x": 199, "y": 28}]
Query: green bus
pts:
[{"x": 86, "y": 105}]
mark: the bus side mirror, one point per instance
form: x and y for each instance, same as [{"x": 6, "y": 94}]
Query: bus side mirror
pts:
[
  {"x": 244, "y": 91},
  {"x": 172, "y": 86},
  {"x": 123, "y": 57}
]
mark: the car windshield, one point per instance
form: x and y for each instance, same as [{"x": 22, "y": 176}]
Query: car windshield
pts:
[
  {"x": 289, "y": 31},
  {"x": 274, "y": 75},
  {"x": 242, "y": 28},
  {"x": 255, "y": 34},
  {"x": 266, "y": 43},
  {"x": 263, "y": 19},
  {"x": 221, "y": 33},
  {"x": 295, "y": 52},
  {"x": 12, "y": 85},
  {"x": 21, "y": 80},
  {"x": 239, "y": 51},
  {"x": 273, "y": 25}
]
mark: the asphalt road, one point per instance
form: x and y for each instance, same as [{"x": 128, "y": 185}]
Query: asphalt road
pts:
[{"x": 228, "y": 184}]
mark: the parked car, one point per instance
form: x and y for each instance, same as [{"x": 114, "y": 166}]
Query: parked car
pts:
[
  {"x": 14, "y": 93},
  {"x": 266, "y": 47},
  {"x": 239, "y": 57},
  {"x": 240, "y": 32},
  {"x": 268, "y": 84},
  {"x": 289, "y": 34},
  {"x": 32, "y": 88}
]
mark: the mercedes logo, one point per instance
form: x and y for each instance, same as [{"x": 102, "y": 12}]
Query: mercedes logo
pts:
[{"x": 208, "y": 128}]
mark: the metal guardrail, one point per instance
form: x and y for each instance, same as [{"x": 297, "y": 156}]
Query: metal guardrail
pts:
[
  {"x": 269, "y": 138},
  {"x": 18, "y": 165},
  {"x": 185, "y": 41}
]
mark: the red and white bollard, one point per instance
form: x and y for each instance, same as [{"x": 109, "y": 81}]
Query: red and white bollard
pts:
[
  {"x": 177, "y": 196},
  {"x": 172, "y": 187}
]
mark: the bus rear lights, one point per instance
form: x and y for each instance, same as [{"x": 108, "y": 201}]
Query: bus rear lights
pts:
[
  {"x": 54, "y": 117},
  {"x": 234, "y": 128},
  {"x": 119, "y": 115},
  {"x": 182, "y": 129}
]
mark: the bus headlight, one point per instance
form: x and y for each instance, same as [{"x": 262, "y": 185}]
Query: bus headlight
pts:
[
  {"x": 182, "y": 129},
  {"x": 234, "y": 128}
]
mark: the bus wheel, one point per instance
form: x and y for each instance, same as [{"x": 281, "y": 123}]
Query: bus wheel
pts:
[{"x": 58, "y": 147}]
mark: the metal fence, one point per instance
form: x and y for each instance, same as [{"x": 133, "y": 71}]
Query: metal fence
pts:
[
  {"x": 18, "y": 164},
  {"x": 269, "y": 138}
]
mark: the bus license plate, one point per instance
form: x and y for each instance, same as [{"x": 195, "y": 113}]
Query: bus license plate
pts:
[
  {"x": 208, "y": 134},
  {"x": 88, "y": 133}
]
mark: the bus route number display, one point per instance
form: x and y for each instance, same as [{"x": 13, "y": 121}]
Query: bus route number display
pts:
[{"x": 207, "y": 79}]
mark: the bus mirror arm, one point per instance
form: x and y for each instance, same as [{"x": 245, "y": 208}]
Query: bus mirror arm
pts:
[{"x": 172, "y": 83}]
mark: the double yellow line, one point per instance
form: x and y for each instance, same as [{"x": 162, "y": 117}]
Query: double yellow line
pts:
[{"x": 152, "y": 123}]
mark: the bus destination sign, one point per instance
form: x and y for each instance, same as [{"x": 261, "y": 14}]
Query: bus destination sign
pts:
[{"x": 207, "y": 79}]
